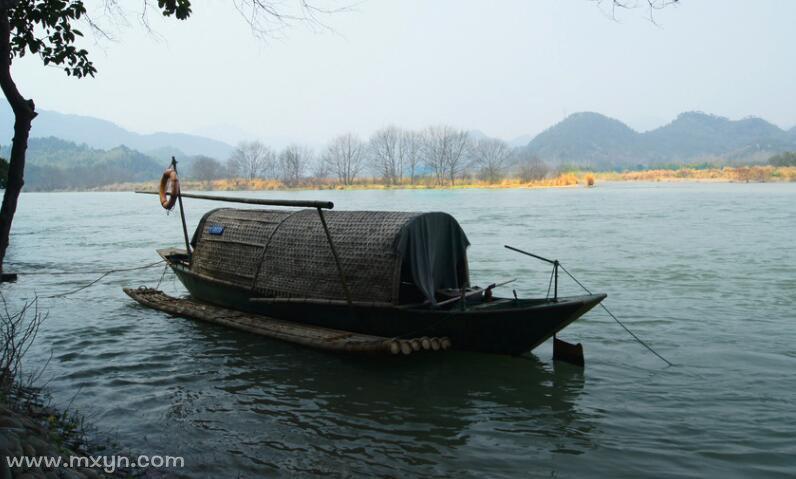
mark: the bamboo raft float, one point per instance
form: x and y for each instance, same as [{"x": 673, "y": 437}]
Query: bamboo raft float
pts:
[{"x": 316, "y": 337}]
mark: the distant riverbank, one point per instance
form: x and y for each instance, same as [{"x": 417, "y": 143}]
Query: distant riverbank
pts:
[{"x": 741, "y": 174}]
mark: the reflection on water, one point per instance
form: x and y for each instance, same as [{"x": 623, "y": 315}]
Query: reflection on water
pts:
[
  {"x": 292, "y": 410},
  {"x": 705, "y": 273}
]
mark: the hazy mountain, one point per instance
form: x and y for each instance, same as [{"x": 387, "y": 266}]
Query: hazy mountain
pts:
[
  {"x": 597, "y": 141},
  {"x": 696, "y": 134},
  {"x": 587, "y": 139},
  {"x": 233, "y": 135},
  {"x": 478, "y": 135},
  {"x": 97, "y": 133},
  {"x": 229, "y": 134},
  {"x": 521, "y": 140}
]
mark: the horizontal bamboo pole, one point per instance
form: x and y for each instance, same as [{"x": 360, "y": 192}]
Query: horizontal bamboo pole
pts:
[{"x": 327, "y": 205}]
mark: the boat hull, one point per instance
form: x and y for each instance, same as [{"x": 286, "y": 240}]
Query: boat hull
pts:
[{"x": 516, "y": 327}]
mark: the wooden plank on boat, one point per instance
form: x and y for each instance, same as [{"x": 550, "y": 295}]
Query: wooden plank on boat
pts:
[
  {"x": 305, "y": 335},
  {"x": 331, "y": 302}
]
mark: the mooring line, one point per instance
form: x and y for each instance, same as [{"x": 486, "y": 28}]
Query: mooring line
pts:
[
  {"x": 550, "y": 284},
  {"x": 106, "y": 273},
  {"x": 58, "y": 273},
  {"x": 165, "y": 268},
  {"x": 617, "y": 319}
]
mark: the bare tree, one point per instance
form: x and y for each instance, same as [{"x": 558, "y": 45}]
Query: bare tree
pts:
[
  {"x": 251, "y": 159},
  {"x": 319, "y": 169},
  {"x": 206, "y": 169},
  {"x": 435, "y": 147},
  {"x": 457, "y": 161},
  {"x": 293, "y": 162},
  {"x": 412, "y": 152},
  {"x": 386, "y": 154},
  {"x": 345, "y": 157},
  {"x": 652, "y": 5},
  {"x": 446, "y": 152},
  {"x": 529, "y": 166},
  {"x": 270, "y": 169},
  {"x": 491, "y": 156}
]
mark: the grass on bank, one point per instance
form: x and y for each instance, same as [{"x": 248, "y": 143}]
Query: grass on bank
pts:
[
  {"x": 738, "y": 174},
  {"x": 258, "y": 184},
  {"x": 741, "y": 174}
]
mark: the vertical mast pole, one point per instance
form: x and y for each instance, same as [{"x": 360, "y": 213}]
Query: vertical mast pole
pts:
[
  {"x": 182, "y": 212},
  {"x": 555, "y": 291}
]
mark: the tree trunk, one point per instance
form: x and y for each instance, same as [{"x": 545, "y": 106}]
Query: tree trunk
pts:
[{"x": 24, "y": 113}]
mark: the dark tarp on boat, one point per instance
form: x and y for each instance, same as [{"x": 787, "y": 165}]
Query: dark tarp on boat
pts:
[{"x": 285, "y": 253}]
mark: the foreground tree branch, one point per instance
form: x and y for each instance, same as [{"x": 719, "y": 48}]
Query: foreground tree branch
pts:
[
  {"x": 47, "y": 28},
  {"x": 24, "y": 113},
  {"x": 652, "y": 5}
]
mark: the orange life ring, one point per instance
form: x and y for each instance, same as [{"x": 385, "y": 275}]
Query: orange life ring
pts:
[{"x": 169, "y": 188}]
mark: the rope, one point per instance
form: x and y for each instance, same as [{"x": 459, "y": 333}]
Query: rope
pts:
[
  {"x": 550, "y": 283},
  {"x": 106, "y": 273},
  {"x": 165, "y": 268},
  {"x": 617, "y": 319}
]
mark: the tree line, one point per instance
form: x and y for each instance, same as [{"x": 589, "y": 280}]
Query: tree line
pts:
[
  {"x": 394, "y": 156},
  {"x": 787, "y": 158}
]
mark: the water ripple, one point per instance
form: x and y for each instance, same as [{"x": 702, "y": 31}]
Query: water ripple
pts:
[{"x": 703, "y": 272}]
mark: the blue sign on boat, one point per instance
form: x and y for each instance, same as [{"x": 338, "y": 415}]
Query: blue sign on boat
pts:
[{"x": 216, "y": 230}]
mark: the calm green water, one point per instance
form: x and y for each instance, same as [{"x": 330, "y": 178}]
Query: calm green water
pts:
[{"x": 704, "y": 272}]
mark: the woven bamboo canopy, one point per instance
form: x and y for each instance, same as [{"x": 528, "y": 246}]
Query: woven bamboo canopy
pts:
[{"x": 392, "y": 257}]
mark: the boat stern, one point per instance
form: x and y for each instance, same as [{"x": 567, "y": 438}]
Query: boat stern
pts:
[{"x": 174, "y": 255}]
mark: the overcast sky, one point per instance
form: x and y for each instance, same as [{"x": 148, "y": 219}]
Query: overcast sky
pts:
[{"x": 508, "y": 68}]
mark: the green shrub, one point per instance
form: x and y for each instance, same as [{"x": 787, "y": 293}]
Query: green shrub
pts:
[{"x": 783, "y": 159}]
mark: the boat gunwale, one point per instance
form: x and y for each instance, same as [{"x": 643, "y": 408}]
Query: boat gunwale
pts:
[{"x": 561, "y": 301}]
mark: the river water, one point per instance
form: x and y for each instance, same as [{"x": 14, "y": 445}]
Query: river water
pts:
[{"x": 706, "y": 273}]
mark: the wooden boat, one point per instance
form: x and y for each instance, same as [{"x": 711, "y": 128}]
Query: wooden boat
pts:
[{"x": 384, "y": 274}]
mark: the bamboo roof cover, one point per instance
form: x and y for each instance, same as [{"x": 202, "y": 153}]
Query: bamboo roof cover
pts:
[{"x": 285, "y": 253}]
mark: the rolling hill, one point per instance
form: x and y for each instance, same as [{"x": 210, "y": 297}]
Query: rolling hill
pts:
[
  {"x": 55, "y": 164},
  {"x": 98, "y": 133},
  {"x": 596, "y": 141}
]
